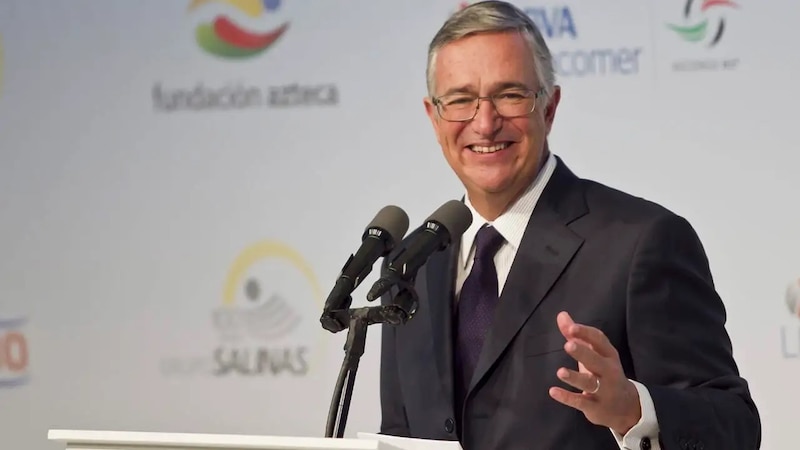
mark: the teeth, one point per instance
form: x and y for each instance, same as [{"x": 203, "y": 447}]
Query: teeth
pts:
[{"x": 491, "y": 149}]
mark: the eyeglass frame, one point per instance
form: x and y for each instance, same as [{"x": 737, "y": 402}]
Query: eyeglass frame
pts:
[{"x": 437, "y": 102}]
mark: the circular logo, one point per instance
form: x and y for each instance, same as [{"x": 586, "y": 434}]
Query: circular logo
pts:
[
  {"x": 701, "y": 25},
  {"x": 225, "y": 38},
  {"x": 267, "y": 320}
]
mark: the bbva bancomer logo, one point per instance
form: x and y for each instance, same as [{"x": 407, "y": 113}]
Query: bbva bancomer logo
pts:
[{"x": 559, "y": 24}]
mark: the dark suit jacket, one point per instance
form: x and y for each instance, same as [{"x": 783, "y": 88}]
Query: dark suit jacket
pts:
[{"x": 620, "y": 263}]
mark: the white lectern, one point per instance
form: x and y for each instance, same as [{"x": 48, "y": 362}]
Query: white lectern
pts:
[{"x": 126, "y": 440}]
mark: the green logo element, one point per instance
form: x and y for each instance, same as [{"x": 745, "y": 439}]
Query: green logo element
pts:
[{"x": 702, "y": 29}]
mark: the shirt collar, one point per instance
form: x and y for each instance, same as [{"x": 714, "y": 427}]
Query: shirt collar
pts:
[{"x": 513, "y": 222}]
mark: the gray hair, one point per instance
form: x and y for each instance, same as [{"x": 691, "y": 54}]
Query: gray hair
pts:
[{"x": 494, "y": 16}]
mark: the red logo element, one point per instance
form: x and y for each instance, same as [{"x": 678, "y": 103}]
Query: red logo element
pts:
[
  {"x": 712, "y": 3},
  {"x": 14, "y": 355}
]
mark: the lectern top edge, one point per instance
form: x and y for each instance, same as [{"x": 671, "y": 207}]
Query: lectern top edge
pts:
[{"x": 99, "y": 438}]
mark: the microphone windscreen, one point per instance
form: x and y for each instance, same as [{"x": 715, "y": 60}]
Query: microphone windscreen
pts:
[
  {"x": 392, "y": 220},
  {"x": 454, "y": 215}
]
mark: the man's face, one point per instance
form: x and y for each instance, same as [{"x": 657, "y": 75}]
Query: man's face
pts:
[{"x": 482, "y": 65}]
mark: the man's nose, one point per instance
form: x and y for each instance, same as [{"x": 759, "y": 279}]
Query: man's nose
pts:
[{"x": 487, "y": 121}]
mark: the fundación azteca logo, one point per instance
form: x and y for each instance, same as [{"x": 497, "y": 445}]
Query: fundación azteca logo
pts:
[
  {"x": 701, "y": 27},
  {"x": 14, "y": 358},
  {"x": 790, "y": 335},
  {"x": 224, "y": 38},
  {"x": 266, "y": 323}
]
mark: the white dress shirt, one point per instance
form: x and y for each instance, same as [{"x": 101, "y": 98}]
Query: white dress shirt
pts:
[{"x": 511, "y": 225}]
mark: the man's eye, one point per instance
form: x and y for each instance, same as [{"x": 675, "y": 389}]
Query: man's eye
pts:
[{"x": 459, "y": 101}]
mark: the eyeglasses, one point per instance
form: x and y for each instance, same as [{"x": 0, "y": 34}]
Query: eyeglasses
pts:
[{"x": 508, "y": 104}]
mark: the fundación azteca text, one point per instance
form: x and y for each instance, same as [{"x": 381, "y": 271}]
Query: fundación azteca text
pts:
[{"x": 239, "y": 96}]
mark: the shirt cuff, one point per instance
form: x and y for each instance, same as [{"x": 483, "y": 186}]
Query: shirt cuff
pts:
[{"x": 647, "y": 427}]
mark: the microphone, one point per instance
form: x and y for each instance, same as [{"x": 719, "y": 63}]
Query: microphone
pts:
[
  {"x": 378, "y": 239},
  {"x": 446, "y": 223}
]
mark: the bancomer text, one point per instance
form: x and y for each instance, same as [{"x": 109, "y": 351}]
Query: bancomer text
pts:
[
  {"x": 558, "y": 23},
  {"x": 599, "y": 61}
]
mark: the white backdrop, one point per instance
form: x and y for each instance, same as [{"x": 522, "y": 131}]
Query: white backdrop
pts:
[{"x": 165, "y": 210}]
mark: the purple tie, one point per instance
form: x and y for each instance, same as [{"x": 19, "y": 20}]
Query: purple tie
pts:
[{"x": 475, "y": 310}]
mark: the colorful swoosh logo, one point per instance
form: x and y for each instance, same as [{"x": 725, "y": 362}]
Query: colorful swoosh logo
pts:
[
  {"x": 700, "y": 31},
  {"x": 224, "y": 38}
]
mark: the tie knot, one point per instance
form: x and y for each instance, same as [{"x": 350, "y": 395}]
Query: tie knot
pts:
[{"x": 487, "y": 242}]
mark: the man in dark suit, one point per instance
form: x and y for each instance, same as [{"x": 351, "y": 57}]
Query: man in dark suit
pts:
[{"x": 570, "y": 316}]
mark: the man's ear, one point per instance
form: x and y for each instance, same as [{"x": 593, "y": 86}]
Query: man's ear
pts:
[
  {"x": 430, "y": 109},
  {"x": 551, "y": 107}
]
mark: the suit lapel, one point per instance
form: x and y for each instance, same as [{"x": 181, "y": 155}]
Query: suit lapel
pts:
[
  {"x": 440, "y": 301},
  {"x": 546, "y": 249}
]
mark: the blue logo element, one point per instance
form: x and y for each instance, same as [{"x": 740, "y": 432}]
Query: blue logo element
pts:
[{"x": 559, "y": 23}]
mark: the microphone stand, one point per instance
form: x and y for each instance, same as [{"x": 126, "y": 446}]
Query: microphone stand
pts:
[{"x": 399, "y": 311}]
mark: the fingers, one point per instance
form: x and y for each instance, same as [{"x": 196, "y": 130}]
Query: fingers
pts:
[
  {"x": 583, "y": 354},
  {"x": 595, "y": 337},
  {"x": 615, "y": 404},
  {"x": 591, "y": 335},
  {"x": 585, "y": 382},
  {"x": 564, "y": 321},
  {"x": 578, "y": 401}
]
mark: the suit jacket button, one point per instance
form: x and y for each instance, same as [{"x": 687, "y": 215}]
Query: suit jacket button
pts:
[
  {"x": 645, "y": 444},
  {"x": 449, "y": 425}
]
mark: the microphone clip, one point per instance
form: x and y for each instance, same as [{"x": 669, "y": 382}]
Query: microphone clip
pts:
[
  {"x": 338, "y": 319},
  {"x": 402, "y": 308},
  {"x": 356, "y": 320},
  {"x": 404, "y": 303}
]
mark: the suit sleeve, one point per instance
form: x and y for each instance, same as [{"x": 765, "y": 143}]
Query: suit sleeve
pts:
[
  {"x": 393, "y": 416},
  {"x": 681, "y": 350}
]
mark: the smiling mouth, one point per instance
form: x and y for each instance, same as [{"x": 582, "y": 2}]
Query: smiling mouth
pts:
[{"x": 488, "y": 149}]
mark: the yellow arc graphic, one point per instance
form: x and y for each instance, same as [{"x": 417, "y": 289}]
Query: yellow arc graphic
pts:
[
  {"x": 261, "y": 250},
  {"x": 252, "y": 8},
  {"x": 273, "y": 249}
]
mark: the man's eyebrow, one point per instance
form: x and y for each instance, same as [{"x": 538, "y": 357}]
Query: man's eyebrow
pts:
[
  {"x": 464, "y": 89},
  {"x": 469, "y": 89},
  {"x": 510, "y": 85}
]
